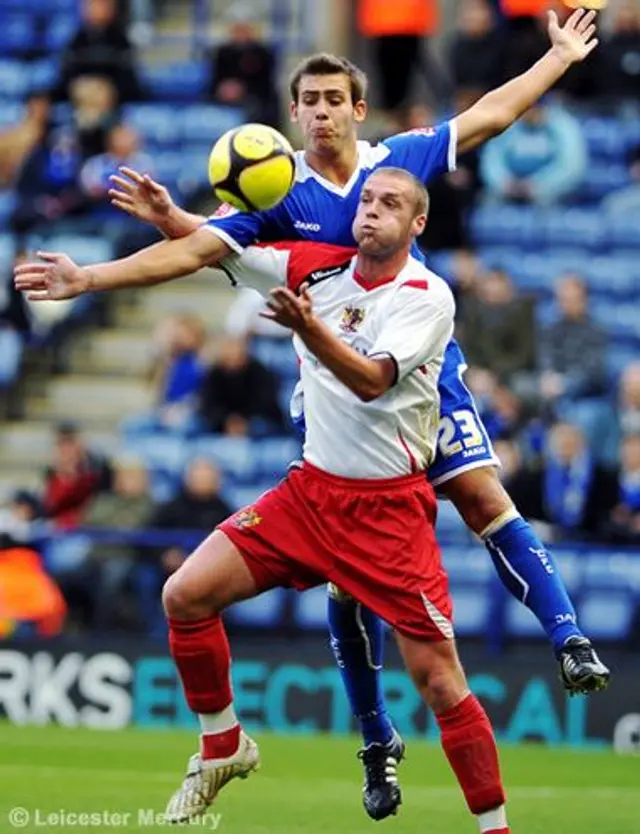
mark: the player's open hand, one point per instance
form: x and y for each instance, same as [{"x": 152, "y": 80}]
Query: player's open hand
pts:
[
  {"x": 290, "y": 310},
  {"x": 574, "y": 41},
  {"x": 54, "y": 280},
  {"x": 140, "y": 196}
]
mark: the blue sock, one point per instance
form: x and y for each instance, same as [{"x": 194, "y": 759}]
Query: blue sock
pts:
[
  {"x": 357, "y": 640},
  {"x": 530, "y": 573}
]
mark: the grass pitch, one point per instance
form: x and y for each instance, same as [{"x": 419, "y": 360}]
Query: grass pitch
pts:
[{"x": 306, "y": 786}]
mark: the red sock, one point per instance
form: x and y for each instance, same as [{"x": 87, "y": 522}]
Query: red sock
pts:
[
  {"x": 200, "y": 650},
  {"x": 470, "y": 747},
  {"x": 220, "y": 745}
]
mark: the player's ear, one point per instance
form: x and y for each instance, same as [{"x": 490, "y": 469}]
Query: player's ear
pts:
[
  {"x": 418, "y": 225},
  {"x": 293, "y": 111},
  {"x": 360, "y": 110}
]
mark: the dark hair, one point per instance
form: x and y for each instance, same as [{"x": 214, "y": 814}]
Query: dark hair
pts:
[
  {"x": 421, "y": 195},
  {"x": 323, "y": 63}
]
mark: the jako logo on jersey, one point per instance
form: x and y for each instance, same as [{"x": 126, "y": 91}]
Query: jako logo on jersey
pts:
[
  {"x": 306, "y": 227},
  {"x": 351, "y": 319}
]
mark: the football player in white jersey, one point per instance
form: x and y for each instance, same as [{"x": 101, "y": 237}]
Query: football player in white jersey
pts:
[
  {"x": 328, "y": 103},
  {"x": 370, "y": 329}
]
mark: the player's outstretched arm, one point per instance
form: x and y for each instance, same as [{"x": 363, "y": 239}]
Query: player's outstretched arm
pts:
[
  {"x": 58, "y": 277},
  {"x": 366, "y": 378},
  {"x": 149, "y": 201},
  {"x": 497, "y": 110}
]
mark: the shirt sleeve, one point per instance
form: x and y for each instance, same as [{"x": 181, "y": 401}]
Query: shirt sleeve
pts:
[
  {"x": 426, "y": 151},
  {"x": 417, "y": 327}
]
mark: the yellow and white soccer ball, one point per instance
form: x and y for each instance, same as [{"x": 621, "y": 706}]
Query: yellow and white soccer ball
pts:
[{"x": 252, "y": 167}]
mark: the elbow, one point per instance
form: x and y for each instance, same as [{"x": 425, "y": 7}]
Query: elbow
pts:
[{"x": 369, "y": 391}]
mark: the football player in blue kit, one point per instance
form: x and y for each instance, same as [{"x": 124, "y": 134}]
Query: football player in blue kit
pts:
[{"x": 328, "y": 103}]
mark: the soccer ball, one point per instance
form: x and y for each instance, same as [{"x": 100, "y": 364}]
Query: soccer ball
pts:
[{"x": 252, "y": 167}]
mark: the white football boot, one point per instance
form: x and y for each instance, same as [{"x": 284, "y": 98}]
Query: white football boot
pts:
[{"x": 205, "y": 778}]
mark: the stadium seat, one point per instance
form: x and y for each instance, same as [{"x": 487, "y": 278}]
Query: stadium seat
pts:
[
  {"x": 278, "y": 355},
  {"x": 16, "y": 33},
  {"x": 604, "y": 137},
  {"x": 471, "y": 605},
  {"x": 450, "y": 526},
  {"x": 160, "y": 124},
  {"x": 7, "y": 251},
  {"x": 175, "y": 82},
  {"x": 81, "y": 248},
  {"x": 274, "y": 454},
  {"x": 242, "y": 496},
  {"x": 624, "y": 230},
  {"x": 159, "y": 452},
  {"x": 611, "y": 569},
  {"x": 264, "y": 611},
  {"x": 204, "y": 123},
  {"x": 520, "y": 622},
  {"x": 15, "y": 79},
  {"x": 10, "y": 355},
  {"x": 60, "y": 31},
  {"x": 310, "y": 609},
  {"x": 44, "y": 74},
  {"x": 606, "y": 615},
  {"x": 11, "y": 112},
  {"x": 570, "y": 226},
  {"x": 494, "y": 224},
  {"x": 235, "y": 456}
]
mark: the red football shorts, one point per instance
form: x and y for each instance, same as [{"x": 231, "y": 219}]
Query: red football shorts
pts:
[{"x": 374, "y": 539}]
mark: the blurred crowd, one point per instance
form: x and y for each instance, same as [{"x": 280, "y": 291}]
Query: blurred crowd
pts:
[{"x": 566, "y": 429}]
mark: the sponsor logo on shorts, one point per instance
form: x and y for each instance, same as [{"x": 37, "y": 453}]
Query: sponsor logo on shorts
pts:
[
  {"x": 246, "y": 519},
  {"x": 351, "y": 320}
]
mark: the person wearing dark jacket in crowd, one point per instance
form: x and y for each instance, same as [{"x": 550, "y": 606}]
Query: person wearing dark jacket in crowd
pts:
[
  {"x": 238, "y": 389},
  {"x": 100, "y": 48}
]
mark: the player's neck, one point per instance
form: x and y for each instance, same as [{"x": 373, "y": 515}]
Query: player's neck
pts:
[
  {"x": 376, "y": 270},
  {"x": 337, "y": 168}
]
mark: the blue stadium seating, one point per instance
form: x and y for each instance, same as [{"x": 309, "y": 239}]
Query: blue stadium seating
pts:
[
  {"x": 242, "y": 496},
  {"x": 520, "y": 622},
  {"x": 310, "y": 609},
  {"x": 277, "y": 355},
  {"x": 263, "y": 611},
  {"x": 606, "y": 615},
  {"x": 10, "y": 355},
  {"x": 15, "y": 79},
  {"x": 175, "y": 82},
  {"x": 16, "y": 33},
  {"x": 234, "y": 455},
  {"x": 471, "y": 609}
]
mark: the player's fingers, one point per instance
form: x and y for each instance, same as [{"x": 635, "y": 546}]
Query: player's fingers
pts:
[
  {"x": 115, "y": 194},
  {"x": 589, "y": 33},
  {"x": 575, "y": 18},
  {"x": 592, "y": 45},
  {"x": 124, "y": 185},
  {"x": 131, "y": 173},
  {"x": 26, "y": 269},
  {"x": 553, "y": 18},
  {"x": 51, "y": 257},
  {"x": 25, "y": 283},
  {"x": 267, "y": 314},
  {"x": 39, "y": 296},
  {"x": 152, "y": 185},
  {"x": 585, "y": 22}
]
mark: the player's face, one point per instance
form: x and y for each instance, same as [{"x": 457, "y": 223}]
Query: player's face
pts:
[
  {"x": 326, "y": 113},
  {"x": 386, "y": 219}
]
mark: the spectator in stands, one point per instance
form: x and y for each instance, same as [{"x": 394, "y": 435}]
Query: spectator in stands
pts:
[
  {"x": 477, "y": 50},
  {"x": 47, "y": 188},
  {"x": 74, "y": 478},
  {"x": 525, "y": 36},
  {"x": 626, "y": 201},
  {"x": 178, "y": 370},
  {"x": 239, "y": 395},
  {"x": 198, "y": 508},
  {"x": 100, "y": 48},
  {"x": 498, "y": 327},
  {"x": 629, "y": 399},
  {"x": 127, "y": 506},
  {"x": 14, "y": 328},
  {"x": 20, "y": 519},
  {"x": 540, "y": 159},
  {"x": 572, "y": 351},
  {"x": 123, "y": 148},
  {"x": 95, "y": 112},
  {"x": 623, "y": 524},
  {"x": 619, "y": 74},
  {"x": 570, "y": 491},
  {"x": 399, "y": 32},
  {"x": 244, "y": 70},
  {"x": 18, "y": 141}
]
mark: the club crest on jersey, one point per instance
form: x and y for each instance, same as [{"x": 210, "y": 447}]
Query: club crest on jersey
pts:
[
  {"x": 246, "y": 519},
  {"x": 351, "y": 319}
]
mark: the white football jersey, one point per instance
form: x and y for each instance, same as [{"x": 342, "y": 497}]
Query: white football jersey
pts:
[{"x": 408, "y": 317}]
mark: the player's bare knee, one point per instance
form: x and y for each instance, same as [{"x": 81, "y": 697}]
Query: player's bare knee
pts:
[
  {"x": 181, "y": 603},
  {"x": 478, "y": 496}
]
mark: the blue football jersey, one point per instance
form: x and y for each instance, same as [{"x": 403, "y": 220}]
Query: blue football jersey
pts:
[{"x": 316, "y": 209}]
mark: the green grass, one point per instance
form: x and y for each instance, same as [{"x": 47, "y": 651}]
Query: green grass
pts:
[{"x": 305, "y": 786}]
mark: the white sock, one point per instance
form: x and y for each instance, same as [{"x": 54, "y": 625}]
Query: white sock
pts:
[
  {"x": 495, "y": 820},
  {"x": 218, "y": 722}
]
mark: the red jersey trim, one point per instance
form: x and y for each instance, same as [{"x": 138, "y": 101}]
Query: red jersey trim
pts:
[
  {"x": 368, "y": 285},
  {"x": 307, "y": 258},
  {"x": 416, "y": 283},
  {"x": 412, "y": 461}
]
